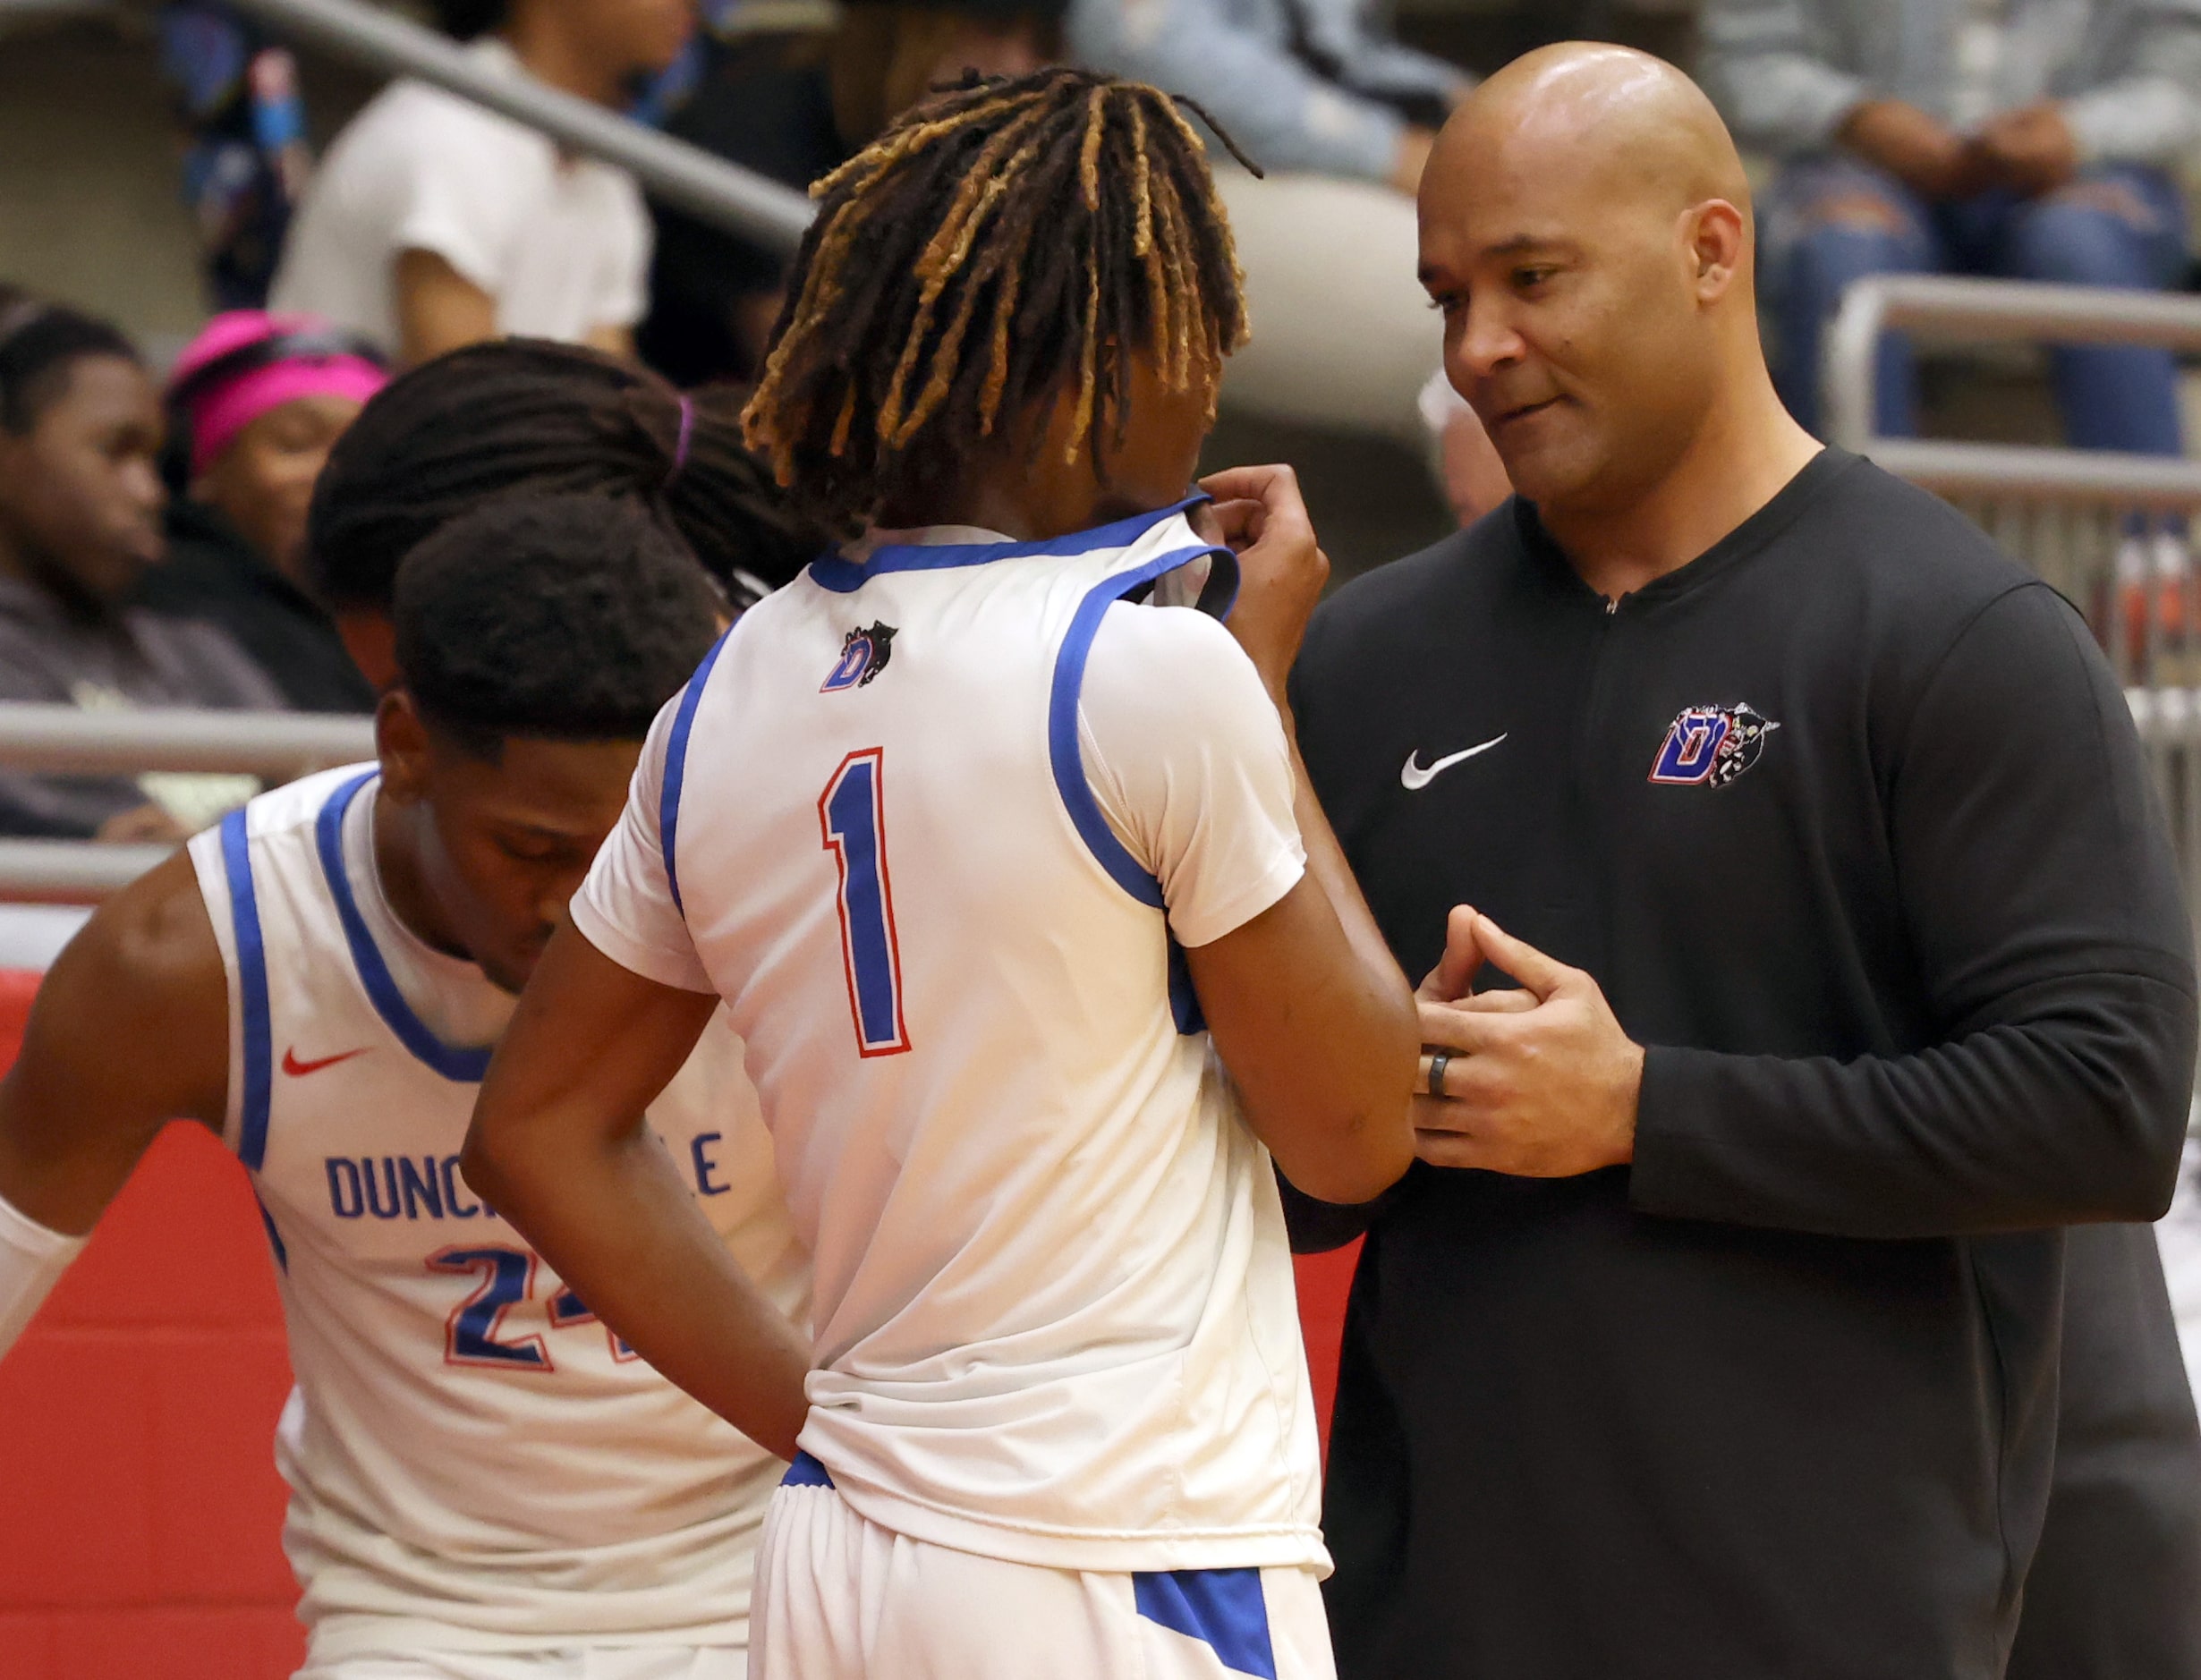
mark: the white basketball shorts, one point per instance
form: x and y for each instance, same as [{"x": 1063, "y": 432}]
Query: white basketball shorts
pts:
[
  {"x": 838, "y": 1598},
  {"x": 593, "y": 1662}
]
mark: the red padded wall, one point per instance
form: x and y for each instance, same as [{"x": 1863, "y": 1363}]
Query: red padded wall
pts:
[{"x": 140, "y": 1509}]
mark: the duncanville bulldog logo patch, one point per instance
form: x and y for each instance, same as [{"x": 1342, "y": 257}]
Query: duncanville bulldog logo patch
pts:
[
  {"x": 864, "y": 656},
  {"x": 1710, "y": 744}
]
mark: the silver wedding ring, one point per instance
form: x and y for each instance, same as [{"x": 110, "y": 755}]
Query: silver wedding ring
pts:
[{"x": 1439, "y": 1061}]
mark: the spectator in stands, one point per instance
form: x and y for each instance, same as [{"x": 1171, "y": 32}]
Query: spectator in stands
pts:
[
  {"x": 255, "y": 404},
  {"x": 433, "y": 223},
  {"x": 2030, "y": 138},
  {"x": 81, "y": 500},
  {"x": 246, "y": 158},
  {"x": 795, "y": 105},
  {"x": 1341, "y": 117},
  {"x": 517, "y": 415}
]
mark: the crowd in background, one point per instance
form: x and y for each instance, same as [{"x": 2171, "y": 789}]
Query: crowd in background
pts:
[{"x": 151, "y": 530}]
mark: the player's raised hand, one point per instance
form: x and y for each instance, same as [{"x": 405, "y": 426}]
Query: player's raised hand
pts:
[
  {"x": 1281, "y": 565},
  {"x": 1540, "y": 1082}
]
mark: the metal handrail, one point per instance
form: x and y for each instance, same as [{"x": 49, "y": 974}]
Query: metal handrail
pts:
[
  {"x": 281, "y": 745},
  {"x": 2003, "y": 309},
  {"x": 61, "y": 740},
  {"x": 2157, "y": 484},
  {"x": 724, "y": 194},
  {"x": 71, "y": 871}
]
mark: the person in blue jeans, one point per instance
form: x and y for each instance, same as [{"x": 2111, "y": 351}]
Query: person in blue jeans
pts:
[{"x": 2027, "y": 140}]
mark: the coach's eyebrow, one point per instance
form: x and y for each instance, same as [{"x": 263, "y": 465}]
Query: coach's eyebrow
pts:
[
  {"x": 1529, "y": 244},
  {"x": 1519, "y": 245}
]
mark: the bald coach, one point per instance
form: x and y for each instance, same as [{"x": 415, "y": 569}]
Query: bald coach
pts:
[{"x": 1826, "y": 956}]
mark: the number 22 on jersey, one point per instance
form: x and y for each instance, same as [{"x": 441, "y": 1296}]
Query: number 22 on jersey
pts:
[{"x": 851, "y": 818}]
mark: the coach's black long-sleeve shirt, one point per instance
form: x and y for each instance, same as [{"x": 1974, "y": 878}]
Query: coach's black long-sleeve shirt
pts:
[{"x": 1849, "y": 819}]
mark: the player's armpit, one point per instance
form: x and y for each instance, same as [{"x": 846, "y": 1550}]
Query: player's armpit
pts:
[
  {"x": 559, "y": 1146},
  {"x": 1321, "y": 1042},
  {"x": 131, "y": 1029}
]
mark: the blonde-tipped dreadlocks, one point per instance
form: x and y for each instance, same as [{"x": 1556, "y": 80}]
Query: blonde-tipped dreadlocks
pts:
[{"x": 1006, "y": 241}]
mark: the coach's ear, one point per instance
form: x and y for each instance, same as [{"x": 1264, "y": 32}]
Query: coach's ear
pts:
[{"x": 402, "y": 744}]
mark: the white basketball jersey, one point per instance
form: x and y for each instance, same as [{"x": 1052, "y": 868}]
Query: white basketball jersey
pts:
[
  {"x": 475, "y": 1463},
  {"x": 1054, "y": 1306}
]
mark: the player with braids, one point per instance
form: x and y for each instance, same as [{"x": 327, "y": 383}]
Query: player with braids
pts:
[
  {"x": 525, "y": 414},
  {"x": 1006, "y": 237},
  {"x": 1059, "y": 1422}
]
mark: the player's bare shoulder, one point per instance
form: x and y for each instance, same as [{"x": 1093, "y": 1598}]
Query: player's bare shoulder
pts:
[{"x": 136, "y": 1010}]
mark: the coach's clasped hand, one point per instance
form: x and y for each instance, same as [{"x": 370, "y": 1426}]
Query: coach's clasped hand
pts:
[{"x": 1539, "y": 1083}]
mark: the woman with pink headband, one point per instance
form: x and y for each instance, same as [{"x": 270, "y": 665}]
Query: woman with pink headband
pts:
[{"x": 256, "y": 402}]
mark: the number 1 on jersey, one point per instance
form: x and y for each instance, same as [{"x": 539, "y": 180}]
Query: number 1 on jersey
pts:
[{"x": 851, "y": 818}]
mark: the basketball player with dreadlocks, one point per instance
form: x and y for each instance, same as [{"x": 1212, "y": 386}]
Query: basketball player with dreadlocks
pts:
[{"x": 970, "y": 832}]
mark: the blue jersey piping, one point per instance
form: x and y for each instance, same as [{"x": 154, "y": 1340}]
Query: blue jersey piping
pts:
[
  {"x": 258, "y": 1034},
  {"x": 676, "y": 768},
  {"x": 1063, "y": 752},
  {"x": 1068, "y": 760},
  {"x": 845, "y": 576},
  {"x": 274, "y": 1237},
  {"x": 457, "y": 1063}
]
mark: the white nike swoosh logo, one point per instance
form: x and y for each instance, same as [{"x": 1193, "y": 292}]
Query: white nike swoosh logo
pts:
[{"x": 1413, "y": 776}]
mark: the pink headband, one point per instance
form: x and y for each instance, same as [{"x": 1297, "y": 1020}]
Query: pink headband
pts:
[
  {"x": 219, "y": 414},
  {"x": 216, "y": 420}
]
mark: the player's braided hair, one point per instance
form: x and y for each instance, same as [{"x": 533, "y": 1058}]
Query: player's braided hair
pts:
[
  {"x": 1005, "y": 241},
  {"x": 525, "y": 414}
]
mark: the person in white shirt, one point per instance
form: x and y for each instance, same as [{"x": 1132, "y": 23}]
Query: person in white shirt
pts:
[
  {"x": 996, "y": 849},
  {"x": 433, "y": 222}
]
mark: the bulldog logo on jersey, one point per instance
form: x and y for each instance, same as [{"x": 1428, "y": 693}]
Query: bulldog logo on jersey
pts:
[
  {"x": 864, "y": 654},
  {"x": 1711, "y": 744}
]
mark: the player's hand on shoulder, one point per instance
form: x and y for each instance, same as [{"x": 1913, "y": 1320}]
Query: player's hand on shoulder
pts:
[{"x": 1264, "y": 520}]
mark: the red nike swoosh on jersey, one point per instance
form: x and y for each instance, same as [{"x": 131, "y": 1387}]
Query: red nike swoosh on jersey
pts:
[{"x": 296, "y": 1068}]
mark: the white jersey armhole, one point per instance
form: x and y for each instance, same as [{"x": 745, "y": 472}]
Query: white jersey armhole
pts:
[
  {"x": 207, "y": 862},
  {"x": 1185, "y": 759}
]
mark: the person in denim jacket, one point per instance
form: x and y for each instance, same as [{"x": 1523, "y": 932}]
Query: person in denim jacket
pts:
[{"x": 2027, "y": 138}]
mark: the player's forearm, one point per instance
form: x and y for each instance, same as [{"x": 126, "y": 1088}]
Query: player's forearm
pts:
[
  {"x": 1323, "y": 1062},
  {"x": 32, "y": 1257},
  {"x": 1371, "y": 1008},
  {"x": 61, "y": 1165},
  {"x": 1317, "y": 1026},
  {"x": 1327, "y": 867},
  {"x": 619, "y": 1227}
]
